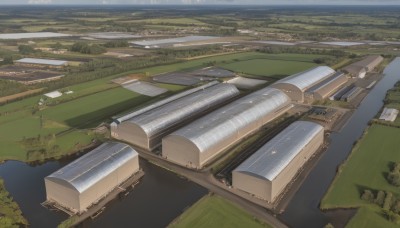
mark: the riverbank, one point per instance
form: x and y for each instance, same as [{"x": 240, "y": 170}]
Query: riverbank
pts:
[
  {"x": 10, "y": 213},
  {"x": 371, "y": 157}
]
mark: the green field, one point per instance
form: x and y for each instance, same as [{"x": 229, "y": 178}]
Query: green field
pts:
[
  {"x": 267, "y": 67},
  {"x": 215, "y": 212},
  {"x": 366, "y": 169},
  {"x": 252, "y": 63},
  {"x": 19, "y": 122}
]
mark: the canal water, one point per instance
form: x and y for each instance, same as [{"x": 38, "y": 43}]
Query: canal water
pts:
[
  {"x": 303, "y": 210},
  {"x": 160, "y": 197}
]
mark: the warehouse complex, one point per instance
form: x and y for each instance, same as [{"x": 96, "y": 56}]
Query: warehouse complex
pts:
[
  {"x": 360, "y": 68},
  {"x": 296, "y": 85},
  {"x": 147, "y": 129},
  {"x": 199, "y": 142},
  {"x": 327, "y": 87},
  {"x": 90, "y": 178},
  {"x": 268, "y": 171}
]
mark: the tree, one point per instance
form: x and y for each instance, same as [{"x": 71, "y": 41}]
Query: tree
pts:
[
  {"x": 8, "y": 60},
  {"x": 85, "y": 48},
  {"x": 380, "y": 198},
  {"x": 388, "y": 201},
  {"x": 396, "y": 207},
  {"x": 394, "y": 178},
  {"x": 368, "y": 196},
  {"x": 26, "y": 49},
  {"x": 57, "y": 46}
]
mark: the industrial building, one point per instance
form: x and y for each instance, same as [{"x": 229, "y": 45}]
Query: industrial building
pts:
[
  {"x": 199, "y": 142},
  {"x": 296, "y": 85},
  {"x": 170, "y": 41},
  {"x": 351, "y": 94},
  {"x": 147, "y": 129},
  {"x": 31, "y": 62},
  {"x": 327, "y": 87},
  {"x": 90, "y": 178},
  {"x": 269, "y": 170},
  {"x": 389, "y": 114},
  {"x": 361, "y": 68}
]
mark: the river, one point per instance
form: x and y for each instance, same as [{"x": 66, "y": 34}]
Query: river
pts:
[
  {"x": 160, "y": 197},
  {"x": 303, "y": 210}
]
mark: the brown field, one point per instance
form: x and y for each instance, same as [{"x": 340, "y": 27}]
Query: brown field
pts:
[{"x": 19, "y": 95}]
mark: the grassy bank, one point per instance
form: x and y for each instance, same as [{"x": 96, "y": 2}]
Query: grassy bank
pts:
[
  {"x": 214, "y": 211},
  {"x": 366, "y": 168},
  {"x": 10, "y": 213}
]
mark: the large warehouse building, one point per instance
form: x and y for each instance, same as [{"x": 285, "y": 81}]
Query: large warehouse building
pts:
[
  {"x": 197, "y": 143},
  {"x": 147, "y": 129},
  {"x": 327, "y": 87},
  {"x": 90, "y": 178},
  {"x": 360, "y": 68},
  {"x": 296, "y": 85},
  {"x": 269, "y": 170}
]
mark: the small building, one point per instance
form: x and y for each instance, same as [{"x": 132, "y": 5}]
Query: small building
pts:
[
  {"x": 351, "y": 94},
  {"x": 389, "y": 114},
  {"x": 361, "y": 68},
  {"x": 147, "y": 129},
  {"x": 268, "y": 171},
  {"x": 50, "y": 63},
  {"x": 87, "y": 180},
  {"x": 296, "y": 85},
  {"x": 327, "y": 87},
  {"x": 53, "y": 94},
  {"x": 196, "y": 144}
]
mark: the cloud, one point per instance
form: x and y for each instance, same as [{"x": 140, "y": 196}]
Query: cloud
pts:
[{"x": 40, "y": 1}]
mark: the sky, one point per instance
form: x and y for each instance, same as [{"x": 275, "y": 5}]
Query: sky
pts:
[{"x": 199, "y": 2}]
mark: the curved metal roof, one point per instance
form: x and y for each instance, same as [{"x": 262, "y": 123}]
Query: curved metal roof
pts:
[
  {"x": 164, "y": 101},
  {"x": 214, "y": 128},
  {"x": 94, "y": 166},
  {"x": 163, "y": 117},
  {"x": 269, "y": 161},
  {"x": 306, "y": 79}
]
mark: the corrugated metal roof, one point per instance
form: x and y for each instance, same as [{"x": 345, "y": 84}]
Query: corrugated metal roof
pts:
[
  {"x": 326, "y": 82},
  {"x": 214, "y": 128},
  {"x": 173, "y": 40},
  {"x": 31, "y": 35},
  {"x": 306, "y": 79},
  {"x": 163, "y": 117},
  {"x": 165, "y": 101},
  {"x": 42, "y": 61},
  {"x": 269, "y": 161},
  {"x": 95, "y": 165}
]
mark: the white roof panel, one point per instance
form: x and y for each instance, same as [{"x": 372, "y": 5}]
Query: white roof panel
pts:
[
  {"x": 270, "y": 160},
  {"x": 92, "y": 167},
  {"x": 306, "y": 79},
  {"x": 42, "y": 61},
  {"x": 30, "y": 35}
]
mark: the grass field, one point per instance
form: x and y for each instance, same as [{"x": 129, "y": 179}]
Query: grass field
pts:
[
  {"x": 366, "y": 169},
  {"x": 215, "y": 212},
  {"x": 267, "y": 67}
]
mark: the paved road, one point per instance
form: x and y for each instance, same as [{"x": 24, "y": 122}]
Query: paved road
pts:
[{"x": 207, "y": 180}]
